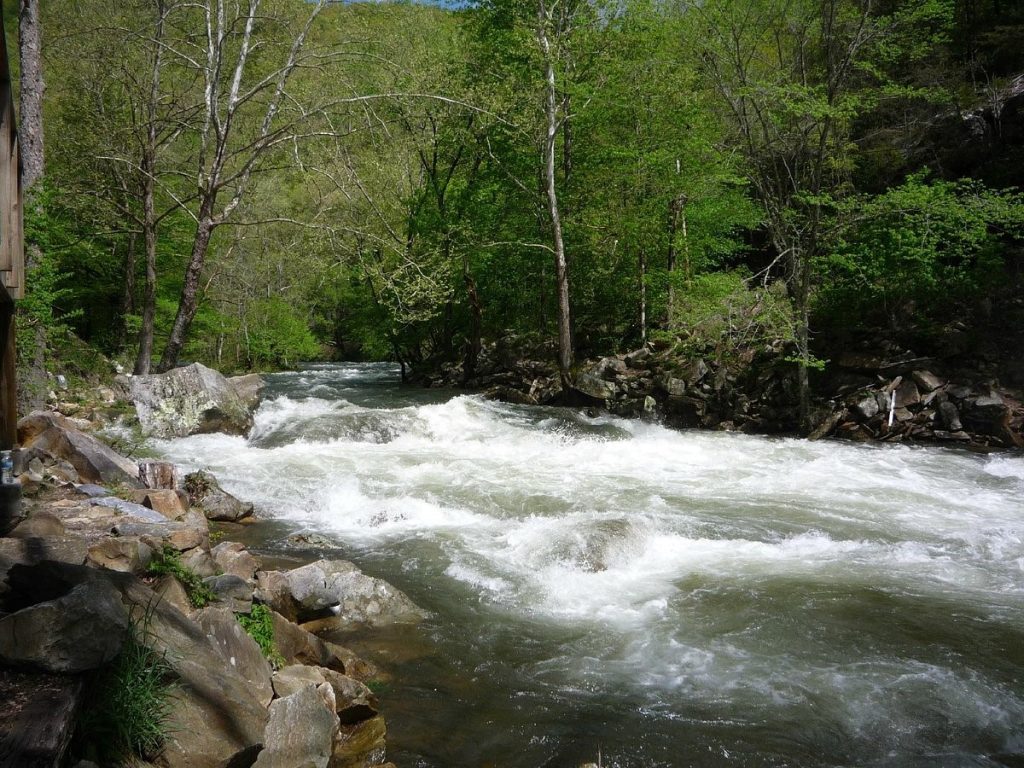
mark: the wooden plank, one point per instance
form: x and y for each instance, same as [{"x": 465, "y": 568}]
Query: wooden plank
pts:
[
  {"x": 6, "y": 192},
  {"x": 8, "y": 376},
  {"x": 16, "y": 286}
]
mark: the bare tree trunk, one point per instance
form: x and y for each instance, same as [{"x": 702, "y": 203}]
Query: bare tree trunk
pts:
[
  {"x": 565, "y": 357},
  {"x": 675, "y": 210},
  {"x": 475, "y": 342},
  {"x": 188, "y": 304},
  {"x": 642, "y": 258},
  {"x": 145, "y": 357}
]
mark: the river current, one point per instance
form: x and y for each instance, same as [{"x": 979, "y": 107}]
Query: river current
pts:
[{"x": 613, "y": 588}]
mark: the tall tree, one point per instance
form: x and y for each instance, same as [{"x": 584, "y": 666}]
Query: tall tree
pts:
[{"x": 230, "y": 151}]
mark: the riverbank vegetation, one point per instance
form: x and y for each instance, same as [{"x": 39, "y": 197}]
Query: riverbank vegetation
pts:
[{"x": 256, "y": 184}]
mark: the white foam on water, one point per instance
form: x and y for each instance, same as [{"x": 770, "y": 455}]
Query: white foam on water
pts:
[{"x": 629, "y": 531}]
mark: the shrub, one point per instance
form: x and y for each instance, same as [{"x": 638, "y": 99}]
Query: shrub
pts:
[
  {"x": 259, "y": 624},
  {"x": 127, "y": 718},
  {"x": 168, "y": 561}
]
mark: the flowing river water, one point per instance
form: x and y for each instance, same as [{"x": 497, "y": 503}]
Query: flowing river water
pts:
[{"x": 661, "y": 598}]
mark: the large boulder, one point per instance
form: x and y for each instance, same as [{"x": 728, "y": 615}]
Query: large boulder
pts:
[
  {"x": 297, "y": 646},
  {"x": 94, "y": 462},
  {"x": 249, "y": 389},
  {"x": 205, "y": 493},
  {"x": 216, "y": 717},
  {"x": 76, "y": 632},
  {"x": 188, "y": 401},
  {"x": 238, "y": 649},
  {"x": 336, "y": 587},
  {"x": 300, "y": 732},
  {"x": 233, "y": 558}
]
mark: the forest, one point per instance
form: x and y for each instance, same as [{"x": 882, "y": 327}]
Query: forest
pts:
[{"x": 256, "y": 184}]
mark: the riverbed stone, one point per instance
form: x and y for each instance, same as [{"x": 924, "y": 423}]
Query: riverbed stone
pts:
[
  {"x": 249, "y": 389},
  {"x": 300, "y": 732},
  {"x": 297, "y": 646},
  {"x": 188, "y": 401},
  {"x": 127, "y": 554},
  {"x": 77, "y": 632},
  {"x": 38, "y": 525},
  {"x": 360, "y": 745},
  {"x": 238, "y": 649},
  {"x": 865, "y": 409},
  {"x": 233, "y": 558},
  {"x": 926, "y": 380},
  {"x": 205, "y": 493},
  {"x": 336, "y": 587},
  {"x": 234, "y": 592},
  {"x": 94, "y": 462}
]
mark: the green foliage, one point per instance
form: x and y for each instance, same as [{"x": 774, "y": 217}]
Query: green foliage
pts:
[
  {"x": 259, "y": 625},
  {"x": 723, "y": 310},
  {"x": 127, "y": 716},
  {"x": 916, "y": 250},
  {"x": 168, "y": 561}
]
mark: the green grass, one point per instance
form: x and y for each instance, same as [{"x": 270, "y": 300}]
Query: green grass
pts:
[
  {"x": 127, "y": 716},
  {"x": 259, "y": 624},
  {"x": 168, "y": 561}
]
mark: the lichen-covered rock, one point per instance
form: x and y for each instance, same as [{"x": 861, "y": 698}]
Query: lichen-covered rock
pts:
[
  {"x": 188, "y": 401},
  {"x": 249, "y": 389}
]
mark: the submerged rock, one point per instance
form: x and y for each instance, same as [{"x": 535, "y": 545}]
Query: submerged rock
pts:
[{"x": 189, "y": 401}]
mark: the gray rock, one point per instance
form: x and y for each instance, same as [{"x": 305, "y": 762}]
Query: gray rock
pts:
[
  {"x": 297, "y": 646},
  {"x": 205, "y": 493},
  {"x": 950, "y": 416},
  {"x": 926, "y": 380},
  {"x": 40, "y": 524},
  {"x": 92, "y": 491},
  {"x": 907, "y": 394},
  {"x": 866, "y": 409},
  {"x": 188, "y": 401},
  {"x": 634, "y": 359},
  {"x": 233, "y": 558},
  {"x": 672, "y": 386},
  {"x": 29, "y": 551},
  {"x": 127, "y": 554},
  {"x": 136, "y": 511},
  {"x": 300, "y": 732},
  {"x": 93, "y": 461},
  {"x": 353, "y": 700},
  {"x": 238, "y": 649},
  {"x": 80, "y": 631},
  {"x": 234, "y": 592},
  {"x": 595, "y": 387},
  {"x": 249, "y": 389},
  {"x": 339, "y": 587},
  {"x": 200, "y": 561},
  {"x": 695, "y": 372}
]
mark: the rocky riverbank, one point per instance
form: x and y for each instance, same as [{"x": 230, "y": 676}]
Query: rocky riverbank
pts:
[
  {"x": 885, "y": 394},
  {"x": 111, "y": 557}
]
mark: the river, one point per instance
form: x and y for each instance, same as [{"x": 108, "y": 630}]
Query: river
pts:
[{"x": 659, "y": 598}]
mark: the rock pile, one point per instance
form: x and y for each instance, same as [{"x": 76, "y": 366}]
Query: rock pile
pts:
[{"x": 77, "y": 579}]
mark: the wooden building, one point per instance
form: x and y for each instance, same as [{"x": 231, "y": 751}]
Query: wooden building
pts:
[{"x": 12, "y": 250}]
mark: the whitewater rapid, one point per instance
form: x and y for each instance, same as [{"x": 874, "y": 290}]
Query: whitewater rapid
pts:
[{"x": 759, "y": 601}]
